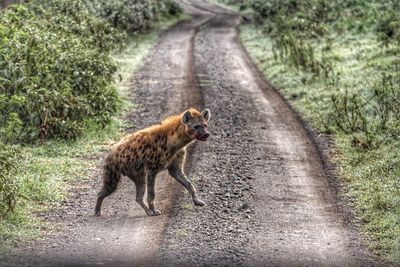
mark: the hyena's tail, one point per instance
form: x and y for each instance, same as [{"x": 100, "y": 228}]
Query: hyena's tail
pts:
[{"x": 111, "y": 177}]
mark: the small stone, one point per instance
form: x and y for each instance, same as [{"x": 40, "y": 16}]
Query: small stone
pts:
[{"x": 245, "y": 206}]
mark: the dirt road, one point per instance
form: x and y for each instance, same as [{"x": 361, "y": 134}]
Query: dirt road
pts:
[{"x": 268, "y": 198}]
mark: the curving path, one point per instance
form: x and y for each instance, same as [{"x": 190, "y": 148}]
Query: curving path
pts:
[{"x": 268, "y": 198}]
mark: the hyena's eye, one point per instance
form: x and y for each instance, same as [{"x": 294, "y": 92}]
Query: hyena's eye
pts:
[{"x": 196, "y": 127}]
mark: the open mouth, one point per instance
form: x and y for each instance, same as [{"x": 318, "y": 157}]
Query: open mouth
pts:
[{"x": 203, "y": 138}]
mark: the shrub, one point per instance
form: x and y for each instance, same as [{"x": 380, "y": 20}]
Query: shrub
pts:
[
  {"x": 303, "y": 18},
  {"x": 136, "y": 16},
  {"x": 73, "y": 17},
  {"x": 56, "y": 73},
  {"x": 170, "y": 8},
  {"x": 51, "y": 80},
  {"x": 9, "y": 189},
  {"x": 270, "y": 9}
]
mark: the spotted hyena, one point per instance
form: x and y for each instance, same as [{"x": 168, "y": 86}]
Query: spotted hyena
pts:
[{"x": 143, "y": 154}]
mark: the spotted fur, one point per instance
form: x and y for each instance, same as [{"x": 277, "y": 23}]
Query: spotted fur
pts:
[{"x": 143, "y": 154}]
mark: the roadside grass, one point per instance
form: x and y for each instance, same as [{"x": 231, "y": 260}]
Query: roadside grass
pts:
[
  {"x": 46, "y": 171},
  {"x": 227, "y": 4},
  {"x": 371, "y": 176},
  {"x": 44, "y": 175}
]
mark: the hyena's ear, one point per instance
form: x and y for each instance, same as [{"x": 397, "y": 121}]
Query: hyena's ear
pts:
[
  {"x": 186, "y": 117},
  {"x": 206, "y": 114}
]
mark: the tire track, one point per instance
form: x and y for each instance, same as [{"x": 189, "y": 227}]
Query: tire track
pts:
[{"x": 269, "y": 202}]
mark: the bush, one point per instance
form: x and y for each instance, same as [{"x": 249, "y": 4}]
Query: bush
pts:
[
  {"x": 73, "y": 17},
  {"x": 9, "y": 189},
  {"x": 52, "y": 80},
  {"x": 170, "y": 8},
  {"x": 303, "y": 18},
  {"x": 130, "y": 16},
  {"x": 270, "y": 9},
  {"x": 56, "y": 73}
]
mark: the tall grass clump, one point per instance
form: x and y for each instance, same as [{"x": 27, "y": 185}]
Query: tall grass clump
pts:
[
  {"x": 371, "y": 119},
  {"x": 293, "y": 35}
]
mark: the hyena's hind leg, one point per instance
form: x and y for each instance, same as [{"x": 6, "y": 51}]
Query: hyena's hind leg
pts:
[
  {"x": 151, "y": 194},
  {"x": 111, "y": 177},
  {"x": 140, "y": 191}
]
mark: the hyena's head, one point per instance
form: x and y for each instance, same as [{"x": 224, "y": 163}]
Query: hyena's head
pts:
[{"x": 196, "y": 123}]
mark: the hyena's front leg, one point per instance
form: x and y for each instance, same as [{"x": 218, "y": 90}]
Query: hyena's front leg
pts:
[{"x": 176, "y": 171}]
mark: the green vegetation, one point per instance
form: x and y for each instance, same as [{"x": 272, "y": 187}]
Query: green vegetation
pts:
[
  {"x": 134, "y": 16},
  {"x": 44, "y": 172},
  {"x": 9, "y": 189},
  {"x": 236, "y": 5},
  {"x": 67, "y": 75},
  {"x": 60, "y": 106},
  {"x": 338, "y": 65}
]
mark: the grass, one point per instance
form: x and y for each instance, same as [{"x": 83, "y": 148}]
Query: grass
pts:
[
  {"x": 226, "y": 4},
  {"x": 371, "y": 177},
  {"x": 233, "y": 5},
  {"x": 47, "y": 171},
  {"x": 188, "y": 206}
]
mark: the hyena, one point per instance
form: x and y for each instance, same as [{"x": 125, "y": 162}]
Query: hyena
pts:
[{"x": 143, "y": 154}]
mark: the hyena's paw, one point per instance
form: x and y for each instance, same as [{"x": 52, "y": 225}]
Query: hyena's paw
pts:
[
  {"x": 198, "y": 202},
  {"x": 153, "y": 212},
  {"x": 98, "y": 213}
]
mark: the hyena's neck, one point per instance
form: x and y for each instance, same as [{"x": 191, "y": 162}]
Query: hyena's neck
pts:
[{"x": 177, "y": 136}]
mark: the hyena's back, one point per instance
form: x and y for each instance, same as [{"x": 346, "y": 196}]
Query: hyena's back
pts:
[{"x": 142, "y": 152}]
